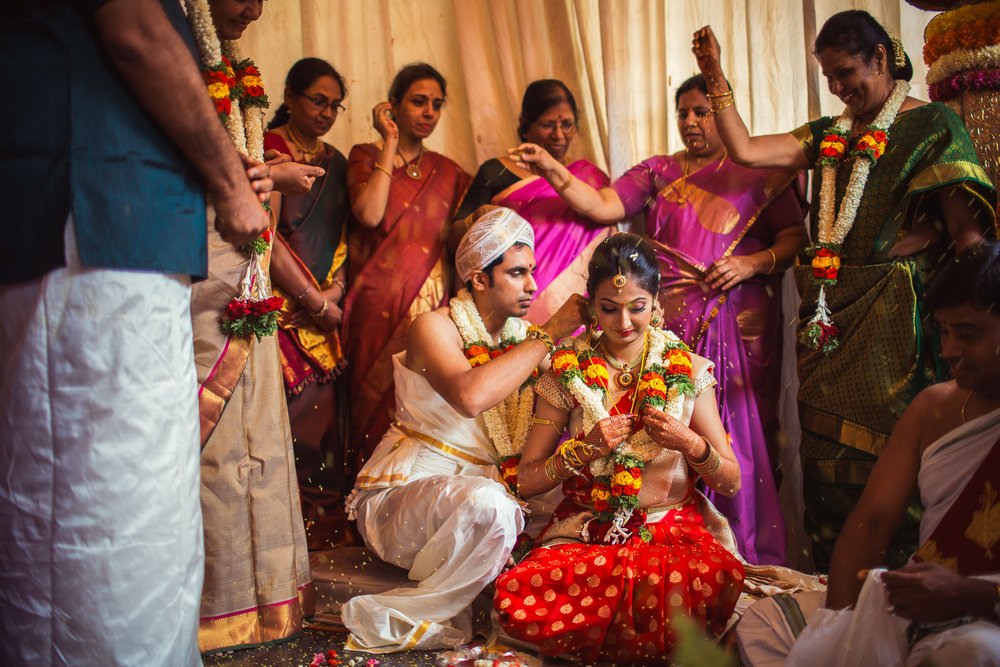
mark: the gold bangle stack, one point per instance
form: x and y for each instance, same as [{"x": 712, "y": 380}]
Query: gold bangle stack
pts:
[
  {"x": 557, "y": 426},
  {"x": 721, "y": 102},
  {"x": 556, "y": 469},
  {"x": 535, "y": 331},
  {"x": 322, "y": 310},
  {"x": 774, "y": 262},
  {"x": 710, "y": 465}
]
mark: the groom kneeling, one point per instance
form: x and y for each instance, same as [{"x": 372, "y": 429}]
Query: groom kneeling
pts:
[{"x": 431, "y": 499}]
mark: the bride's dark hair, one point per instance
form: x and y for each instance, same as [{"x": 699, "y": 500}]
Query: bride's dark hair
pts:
[{"x": 628, "y": 254}]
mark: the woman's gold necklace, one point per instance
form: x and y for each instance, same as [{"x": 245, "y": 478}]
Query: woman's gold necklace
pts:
[
  {"x": 306, "y": 153},
  {"x": 412, "y": 168}
]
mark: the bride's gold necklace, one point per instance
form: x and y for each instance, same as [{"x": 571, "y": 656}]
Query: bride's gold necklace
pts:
[{"x": 625, "y": 377}]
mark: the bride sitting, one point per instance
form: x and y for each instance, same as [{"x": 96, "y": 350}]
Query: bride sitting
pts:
[{"x": 633, "y": 543}]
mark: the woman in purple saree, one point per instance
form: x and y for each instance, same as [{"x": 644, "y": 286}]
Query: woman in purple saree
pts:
[
  {"x": 723, "y": 235},
  {"x": 564, "y": 239}
]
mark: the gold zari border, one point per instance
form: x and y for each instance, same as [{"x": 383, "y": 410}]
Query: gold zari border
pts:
[{"x": 842, "y": 431}]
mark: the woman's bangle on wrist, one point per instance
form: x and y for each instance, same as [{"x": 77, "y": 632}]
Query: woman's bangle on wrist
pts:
[
  {"x": 565, "y": 186},
  {"x": 385, "y": 171},
  {"x": 774, "y": 261},
  {"x": 322, "y": 310},
  {"x": 299, "y": 298}
]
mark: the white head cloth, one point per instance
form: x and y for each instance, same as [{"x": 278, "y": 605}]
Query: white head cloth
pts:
[{"x": 489, "y": 237}]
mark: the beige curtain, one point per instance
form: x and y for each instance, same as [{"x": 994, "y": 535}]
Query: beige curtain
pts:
[{"x": 622, "y": 59}]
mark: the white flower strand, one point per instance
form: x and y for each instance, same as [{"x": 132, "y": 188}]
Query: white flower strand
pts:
[
  {"x": 832, "y": 231},
  {"x": 200, "y": 17},
  {"x": 508, "y": 422}
]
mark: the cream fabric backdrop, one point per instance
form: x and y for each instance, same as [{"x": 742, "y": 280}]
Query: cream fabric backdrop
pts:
[{"x": 621, "y": 58}]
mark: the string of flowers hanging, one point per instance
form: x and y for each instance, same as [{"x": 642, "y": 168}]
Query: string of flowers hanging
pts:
[{"x": 237, "y": 92}]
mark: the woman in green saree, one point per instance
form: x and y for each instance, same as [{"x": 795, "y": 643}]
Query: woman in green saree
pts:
[{"x": 899, "y": 189}]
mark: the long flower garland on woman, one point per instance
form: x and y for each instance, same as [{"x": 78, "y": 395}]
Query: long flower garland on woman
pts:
[
  {"x": 821, "y": 333},
  {"x": 507, "y": 423},
  {"x": 235, "y": 86},
  {"x": 665, "y": 380}
]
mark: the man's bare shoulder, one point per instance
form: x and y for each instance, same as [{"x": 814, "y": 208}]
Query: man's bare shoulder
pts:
[
  {"x": 936, "y": 410},
  {"x": 430, "y": 333}
]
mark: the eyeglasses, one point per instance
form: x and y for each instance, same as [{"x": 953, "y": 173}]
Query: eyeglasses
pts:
[
  {"x": 320, "y": 103},
  {"x": 549, "y": 127}
]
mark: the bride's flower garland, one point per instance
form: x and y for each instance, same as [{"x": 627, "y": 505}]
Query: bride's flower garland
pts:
[
  {"x": 507, "y": 423},
  {"x": 820, "y": 332},
  {"x": 664, "y": 383},
  {"x": 236, "y": 89}
]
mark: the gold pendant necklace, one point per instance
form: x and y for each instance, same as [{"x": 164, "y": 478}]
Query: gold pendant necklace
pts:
[
  {"x": 412, "y": 168},
  {"x": 307, "y": 155},
  {"x": 625, "y": 377}
]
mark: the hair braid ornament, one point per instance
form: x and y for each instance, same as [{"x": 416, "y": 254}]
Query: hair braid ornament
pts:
[
  {"x": 820, "y": 332},
  {"x": 508, "y": 422},
  {"x": 664, "y": 383},
  {"x": 235, "y": 86}
]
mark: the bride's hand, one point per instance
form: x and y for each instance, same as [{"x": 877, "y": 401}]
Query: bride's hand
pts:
[
  {"x": 605, "y": 436},
  {"x": 669, "y": 433},
  {"x": 534, "y": 158}
]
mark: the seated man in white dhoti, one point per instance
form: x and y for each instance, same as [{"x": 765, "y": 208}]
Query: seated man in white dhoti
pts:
[
  {"x": 431, "y": 498},
  {"x": 942, "y": 607}
]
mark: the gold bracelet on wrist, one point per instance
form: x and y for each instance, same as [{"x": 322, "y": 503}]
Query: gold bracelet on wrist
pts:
[
  {"x": 383, "y": 170},
  {"x": 535, "y": 331},
  {"x": 565, "y": 186},
  {"x": 721, "y": 102},
  {"x": 557, "y": 426},
  {"x": 774, "y": 261},
  {"x": 322, "y": 310},
  {"x": 304, "y": 292},
  {"x": 711, "y": 464},
  {"x": 552, "y": 469}
]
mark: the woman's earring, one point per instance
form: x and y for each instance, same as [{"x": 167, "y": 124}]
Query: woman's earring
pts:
[{"x": 656, "y": 321}]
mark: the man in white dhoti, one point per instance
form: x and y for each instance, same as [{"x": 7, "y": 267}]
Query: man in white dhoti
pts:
[
  {"x": 431, "y": 499},
  {"x": 943, "y": 606},
  {"x": 101, "y": 559}
]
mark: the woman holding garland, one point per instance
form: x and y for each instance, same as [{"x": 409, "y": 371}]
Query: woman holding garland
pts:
[
  {"x": 899, "y": 188},
  {"x": 257, "y": 586},
  {"x": 633, "y": 543},
  {"x": 564, "y": 239},
  {"x": 723, "y": 234},
  {"x": 403, "y": 197},
  {"x": 309, "y": 270}
]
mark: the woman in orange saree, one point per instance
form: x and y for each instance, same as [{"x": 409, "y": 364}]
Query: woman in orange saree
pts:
[{"x": 403, "y": 197}]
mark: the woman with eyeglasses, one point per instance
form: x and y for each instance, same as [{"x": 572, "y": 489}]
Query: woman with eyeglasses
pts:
[
  {"x": 403, "y": 197},
  {"x": 723, "y": 234},
  {"x": 308, "y": 269},
  {"x": 564, "y": 239}
]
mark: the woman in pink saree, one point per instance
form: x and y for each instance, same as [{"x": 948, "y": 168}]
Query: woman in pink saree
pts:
[
  {"x": 403, "y": 198},
  {"x": 723, "y": 236},
  {"x": 564, "y": 239}
]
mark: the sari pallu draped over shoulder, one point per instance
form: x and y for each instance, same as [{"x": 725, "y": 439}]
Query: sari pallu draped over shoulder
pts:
[
  {"x": 727, "y": 210},
  {"x": 564, "y": 239},
  {"x": 850, "y": 399},
  {"x": 395, "y": 269},
  {"x": 313, "y": 227}
]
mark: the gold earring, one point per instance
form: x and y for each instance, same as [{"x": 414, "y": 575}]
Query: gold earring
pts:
[{"x": 656, "y": 321}]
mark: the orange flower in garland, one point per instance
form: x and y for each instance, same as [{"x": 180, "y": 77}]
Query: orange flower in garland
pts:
[
  {"x": 872, "y": 144},
  {"x": 249, "y": 85},
  {"x": 825, "y": 265},
  {"x": 833, "y": 147},
  {"x": 477, "y": 353},
  {"x": 595, "y": 372},
  {"x": 600, "y": 493},
  {"x": 221, "y": 81},
  {"x": 508, "y": 470},
  {"x": 679, "y": 363}
]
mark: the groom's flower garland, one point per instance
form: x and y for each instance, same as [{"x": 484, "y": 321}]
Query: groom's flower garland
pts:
[
  {"x": 820, "y": 332},
  {"x": 235, "y": 86},
  {"x": 665, "y": 381},
  {"x": 509, "y": 422}
]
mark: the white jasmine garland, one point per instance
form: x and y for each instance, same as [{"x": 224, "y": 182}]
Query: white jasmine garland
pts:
[
  {"x": 508, "y": 422},
  {"x": 961, "y": 60},
  {"x": 834, "y": 231}
]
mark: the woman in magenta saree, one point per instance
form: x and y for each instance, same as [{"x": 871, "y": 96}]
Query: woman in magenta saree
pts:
[
  {"x": 723, "y": 234},
  {"x": 403, "y": 198},
  {"x": 564, "y": 239}
]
